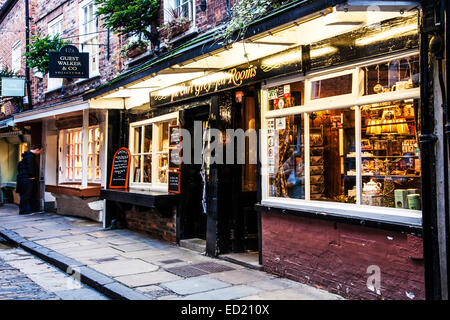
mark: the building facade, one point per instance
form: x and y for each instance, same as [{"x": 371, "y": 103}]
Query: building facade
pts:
[{"x": 349, "y": 189}]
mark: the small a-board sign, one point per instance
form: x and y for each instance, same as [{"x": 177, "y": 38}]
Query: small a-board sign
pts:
[
  {"x": 175, "y": 159},
  {"x": 174, "y": 182},
  {"x": 120, "y": 169},
  {"x": 174, "y": 136}
]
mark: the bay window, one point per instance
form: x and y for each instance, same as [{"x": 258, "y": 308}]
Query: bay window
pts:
[
  {"x": 149, "y": 147},
  {"x": 72, "y": 149},
  {"x": 348, "y": 138}
]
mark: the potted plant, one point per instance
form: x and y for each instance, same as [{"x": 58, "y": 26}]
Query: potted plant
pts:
[
  {"x": 37, "y": 56},
  {"x": 176, "y": 26},
  {"x": 134, "y": 49}
]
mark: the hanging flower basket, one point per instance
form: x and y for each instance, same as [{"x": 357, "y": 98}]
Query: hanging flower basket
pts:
[{"x": 135, "y": 49}]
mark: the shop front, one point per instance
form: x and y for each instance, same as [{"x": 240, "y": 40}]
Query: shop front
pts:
[
  {"x": 72, "y": 163},
  {"x": 336, "y": 195}
]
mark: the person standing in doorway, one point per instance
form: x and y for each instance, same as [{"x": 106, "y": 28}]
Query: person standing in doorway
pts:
[{"x": 27, "y": 181}]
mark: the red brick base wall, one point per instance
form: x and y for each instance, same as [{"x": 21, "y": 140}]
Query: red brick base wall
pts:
[
  {"x": 151, "y": 221},
  {"x": 336, "y": 257}
]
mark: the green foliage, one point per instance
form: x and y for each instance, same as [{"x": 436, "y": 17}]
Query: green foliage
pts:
[
  {"x": 243, "y": 13},
  {"x": 129, "y": 17},
  {"x": 139, "y": 44},
  {"x": 39, "y": 47}
]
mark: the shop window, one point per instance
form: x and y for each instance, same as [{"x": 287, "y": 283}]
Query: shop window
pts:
[
  {"x": 331, "y": 87},
  {"x": 391, "y": 76},
  {"x": 358, "y": 150},
  {"x": 390, "y": 166},
  {"x": 286, "y": 96},
  {"x": 73, "y": 154},
  {"x": 150, "y": 152}
]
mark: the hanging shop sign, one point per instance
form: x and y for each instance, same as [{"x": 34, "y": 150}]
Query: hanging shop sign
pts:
[
  {"x": 68, "y": 62},
  {"x": 120, "y": 169},
  {"x": 174, "y": 182},
  {"x": 289, "y": 61},
  {"x": 13, "y": 87}
]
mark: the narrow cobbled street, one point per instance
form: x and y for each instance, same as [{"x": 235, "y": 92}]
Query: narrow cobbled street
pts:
[{"x": 24, "y": 277}]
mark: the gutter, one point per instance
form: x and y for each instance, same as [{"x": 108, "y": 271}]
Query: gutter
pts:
[{"x": 206, "y": 43}]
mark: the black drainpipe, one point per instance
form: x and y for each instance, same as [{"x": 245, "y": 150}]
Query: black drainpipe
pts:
[
  {"x": 27, "y": 42},
  {"x": 428, "y": 161}
]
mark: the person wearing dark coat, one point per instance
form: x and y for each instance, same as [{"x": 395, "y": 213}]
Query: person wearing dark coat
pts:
[{"x": 27, "y": 181}]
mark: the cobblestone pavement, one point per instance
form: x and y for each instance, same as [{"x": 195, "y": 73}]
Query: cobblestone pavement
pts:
[
  {"x": 24, "y": 277},
  {"x": 154, "y": 268}
]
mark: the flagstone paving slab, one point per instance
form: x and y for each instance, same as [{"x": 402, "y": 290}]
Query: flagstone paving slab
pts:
[
  {"x": 145, "y": 279},
  {"x": 195, "y": 285},
  {"x": 241, "y": 276},
  {"x": 229, "y": 293},
  {"x": 124, "y": 267}
]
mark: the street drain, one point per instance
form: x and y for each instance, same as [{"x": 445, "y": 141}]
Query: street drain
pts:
[
  {"x": 186, "y": 271},
  {"x": 212, "y": 267},
  {"x": 171, "y": 261}
]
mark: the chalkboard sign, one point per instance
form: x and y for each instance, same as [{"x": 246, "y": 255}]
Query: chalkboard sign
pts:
[
  {"x": 174, "y": 136},
  {"x": 175, "y": 159},
  {"x": 120, "y": 169},
  {"x": 174, "y": 182}
]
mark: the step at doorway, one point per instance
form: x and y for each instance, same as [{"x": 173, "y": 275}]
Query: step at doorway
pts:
[{"x": 194, "y": 244}]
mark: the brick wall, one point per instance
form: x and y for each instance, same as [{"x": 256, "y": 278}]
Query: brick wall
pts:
[
  {"x": 12, "y": 29},
  {"x": 151, "y": 221},
  {"x": 45, "y": 12},
  {"x": 336, "y": 257}
]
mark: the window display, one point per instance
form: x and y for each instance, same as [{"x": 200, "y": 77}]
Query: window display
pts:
[
  {"x": 390, "y": 163},
  {"x": 364, "y": 154},
  {"x": 150, "y": 152},
  {"x": 286, "y": 96}
]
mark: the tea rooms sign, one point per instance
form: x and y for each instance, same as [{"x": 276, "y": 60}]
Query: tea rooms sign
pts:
[{"x": 68, "y": 63}]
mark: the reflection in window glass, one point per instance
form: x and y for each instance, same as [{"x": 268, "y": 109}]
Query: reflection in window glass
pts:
[
  {"x": 391, "y": 173},
  {"x": 332, "y": 135},
  {"x": 137, "y": 168},
  {"x": 285, "y": 149},
  {"x": 331, "y": 87},
  {"x": 394, "y": 75},
  {"x": 286, "y": 96},
  {"x": 147, "y": 169},
  {"x": 137, "y": 140},
  {"x": 148, "y": 133}
]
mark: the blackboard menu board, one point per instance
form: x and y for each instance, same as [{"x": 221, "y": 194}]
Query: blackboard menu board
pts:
[
  {"x": 174, "y": 136},
  {"x": 174, "y": 159},
  {"x": 120, "y": 169},
  {"x": 174, "y": 182}
]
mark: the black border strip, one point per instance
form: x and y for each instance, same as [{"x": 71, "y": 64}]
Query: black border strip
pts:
[{"x": 360, "y": 221}]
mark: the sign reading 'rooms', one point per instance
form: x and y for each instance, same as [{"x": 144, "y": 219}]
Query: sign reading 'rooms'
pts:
[{"x": 68, "y": 63}]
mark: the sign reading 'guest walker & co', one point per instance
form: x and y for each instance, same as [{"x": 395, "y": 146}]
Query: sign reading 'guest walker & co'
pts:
[{"x": 68, "y": 62}]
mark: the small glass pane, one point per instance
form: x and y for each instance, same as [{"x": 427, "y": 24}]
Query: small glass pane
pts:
[
  {"x": 137, "y": 168},
  {"x": 331, "y": 87},
  {"x": 163, "y": 136},
  {"x": 148, "y": 134},
  {"x": 163, "y": 167},
  {"x": 332, "y": 155},
  {"x": 394, "y": 75},
  {"x": 137, "y": 140},
  {"x": 147, "y": 169},
  {"x": 286, "y": 96},
  {"x": 286, "y": 157}
]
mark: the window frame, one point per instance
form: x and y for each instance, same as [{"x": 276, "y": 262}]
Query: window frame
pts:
[
  {"x": 154, "y": 122},
  {"x": 88, "y": 42},
  {"x": 63, "y": 154},
  {"x": 16, "y": 56},
  {"x": 355, "y": 99},
  {"x": 54, "y": 83}
]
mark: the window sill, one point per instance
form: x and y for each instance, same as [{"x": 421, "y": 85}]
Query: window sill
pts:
[
  {"x": 52, "y": 90},
  {"x": 97, "y": 75},
  {"x": 385, "y": 218}
]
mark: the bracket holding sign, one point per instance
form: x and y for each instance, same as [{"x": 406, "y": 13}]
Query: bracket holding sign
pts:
[
  {"x": 68, "y": 62},
  {"x": 120, "y": 169}
]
